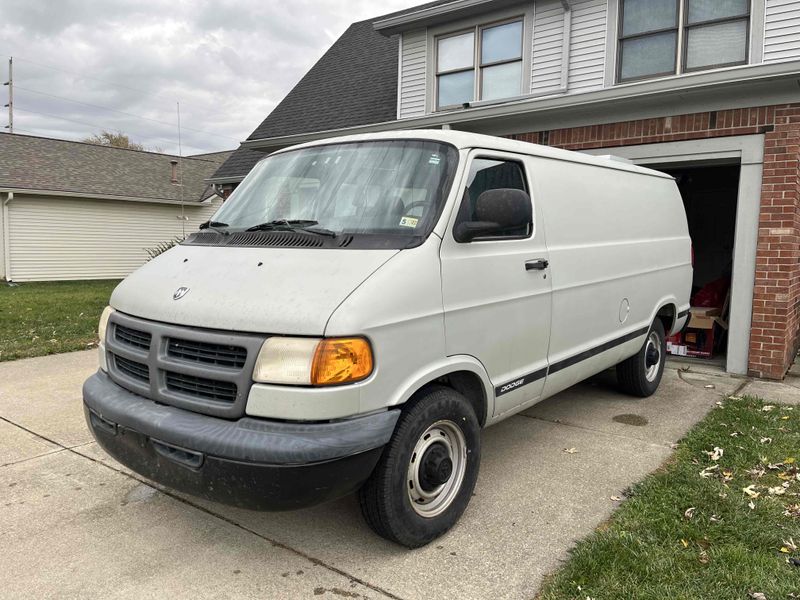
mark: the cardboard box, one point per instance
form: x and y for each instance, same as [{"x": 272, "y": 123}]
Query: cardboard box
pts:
[{"x": 703, "y": 318}]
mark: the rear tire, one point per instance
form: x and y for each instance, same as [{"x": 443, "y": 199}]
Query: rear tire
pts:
[
  {"x": 425, "y": 476},
  {"x": 641, "y": 374}
]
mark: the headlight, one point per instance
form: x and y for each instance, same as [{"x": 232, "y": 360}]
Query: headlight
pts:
[
  {"x": 313, "y": 361},
  {"x": 103, "y": 326}
]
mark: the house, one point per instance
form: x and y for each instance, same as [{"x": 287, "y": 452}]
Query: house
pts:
[
  {"x": 71, "y": 210},
  {"x": 706, "y": 91}
]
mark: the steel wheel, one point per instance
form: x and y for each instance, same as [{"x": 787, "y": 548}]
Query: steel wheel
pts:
[
  {"x": 652, "y": 356},
  {"x": 436, "y": 468}
]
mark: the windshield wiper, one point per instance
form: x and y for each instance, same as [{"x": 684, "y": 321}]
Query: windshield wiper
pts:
[
  {"x": 305, "y": 225},
  {"x": 214, "y": 226}
]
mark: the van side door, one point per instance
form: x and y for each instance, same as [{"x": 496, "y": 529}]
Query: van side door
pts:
[{"x": 496, "y": 288}]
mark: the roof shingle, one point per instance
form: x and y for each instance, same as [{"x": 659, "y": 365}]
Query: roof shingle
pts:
[{"x": 37, "y": 163}]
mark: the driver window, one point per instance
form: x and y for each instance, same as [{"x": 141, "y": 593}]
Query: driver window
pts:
[{"x": 491, "y": 174}]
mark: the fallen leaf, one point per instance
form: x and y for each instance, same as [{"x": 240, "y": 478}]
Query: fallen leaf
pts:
[
  {"x": 756, "y": 473},
  {"x": 715, "y": 454},
  {"x": 768, "y": 408},
  {"x": 727, "y": 475},
  {"x": 793, "y": 510},
  {"x": 750, "y": 490},
  {"x": 689, "y": 512},
  {"x": 570, "y": 451},
  {"x": 615, "y": 498},
  {"x": 752, "y": 505},
  {"x": 703, "y": 558},
  {"x": 789, "y": 461},
  {"x": 785, "y": 550},
  {"x": 710, "y": 386},
  {"x": 709, "y": 471},
  {"x": 757, "y": 596},
  {"x": 776, "y": 491},
  {"x": 734, "y": 397},
  {"x": 786, "y": 418},
  {"x": 685, "y": 543},
  {"x": 766, "y": 440},
  {"x": 715, "y": 518},
  {"x": 790, "y": 544}
]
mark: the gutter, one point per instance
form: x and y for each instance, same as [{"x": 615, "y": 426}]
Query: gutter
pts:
[
  {"x": 435, "y": 14},
  {"x": 677, "y": 85},
  {"x": 33, "y": 192}
]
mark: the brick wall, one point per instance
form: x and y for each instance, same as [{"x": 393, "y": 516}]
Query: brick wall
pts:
[{"x": 774, "y": 336}]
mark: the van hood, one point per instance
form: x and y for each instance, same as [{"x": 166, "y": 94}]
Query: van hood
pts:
[{"x": 259, "y": 290}]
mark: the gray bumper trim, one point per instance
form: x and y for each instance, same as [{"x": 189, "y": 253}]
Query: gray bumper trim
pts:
[{"x": 248, "y": 439}]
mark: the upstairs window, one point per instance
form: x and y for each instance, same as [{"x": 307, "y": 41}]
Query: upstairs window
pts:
[
  {"x": 665, "y": 37},
  {"x": 484, "y": 63}
]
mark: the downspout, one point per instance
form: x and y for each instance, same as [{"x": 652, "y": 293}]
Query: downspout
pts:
[
  {"x": 6, "y": 239},
  {"x": 565, "y": 50}
]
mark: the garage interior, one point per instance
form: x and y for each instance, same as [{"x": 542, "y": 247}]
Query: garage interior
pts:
[{"x": 710, "y": 195}]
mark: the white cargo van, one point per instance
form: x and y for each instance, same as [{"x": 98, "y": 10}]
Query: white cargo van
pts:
[{"x": 361, "y": 307}]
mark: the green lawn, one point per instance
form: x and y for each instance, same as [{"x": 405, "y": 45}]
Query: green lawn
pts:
[
  {"x": 726, "y": 534},
  {"x": 47, "y": 318}
]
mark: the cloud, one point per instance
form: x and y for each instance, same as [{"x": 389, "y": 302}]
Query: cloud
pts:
[{"x": 86, "y": 65}]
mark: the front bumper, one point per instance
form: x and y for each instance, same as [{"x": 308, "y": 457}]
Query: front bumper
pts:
[{"x": 253, "y": 463}]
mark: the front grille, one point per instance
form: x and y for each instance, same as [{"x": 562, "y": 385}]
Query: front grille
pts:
[
  {"x": 133, "y": 369},
  {"x": 132, "y": 337},
  {"x": 199, "y": 370},
  {"x": 211, "y": 354},
  {"x": 218, "y": 391}
]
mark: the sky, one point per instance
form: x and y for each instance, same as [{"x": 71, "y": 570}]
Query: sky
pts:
[{"x": 81, "y": 66}]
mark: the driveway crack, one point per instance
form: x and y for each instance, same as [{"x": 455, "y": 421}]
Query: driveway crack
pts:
[{"x": 275, "y": 543}]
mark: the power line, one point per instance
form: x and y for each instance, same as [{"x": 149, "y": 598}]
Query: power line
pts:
[
  {"x": 17, "y": 87},
  {"x": 106, "y": 81},
  {"x": 95, "y": 126}
]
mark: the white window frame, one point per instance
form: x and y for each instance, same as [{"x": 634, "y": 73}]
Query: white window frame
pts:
[{"x": 523, "y": 13}]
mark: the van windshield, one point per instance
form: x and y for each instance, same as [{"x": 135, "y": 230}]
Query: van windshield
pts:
[{"x": 386, "y": 188}]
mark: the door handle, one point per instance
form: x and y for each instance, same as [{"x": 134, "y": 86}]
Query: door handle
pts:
[{"x": 539, "y": 264}]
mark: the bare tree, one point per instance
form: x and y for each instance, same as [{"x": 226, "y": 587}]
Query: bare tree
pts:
[{"x": 117, "y": 140}]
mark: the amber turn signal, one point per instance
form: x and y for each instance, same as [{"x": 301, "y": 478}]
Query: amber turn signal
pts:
[{"x": 341, "y": 360}]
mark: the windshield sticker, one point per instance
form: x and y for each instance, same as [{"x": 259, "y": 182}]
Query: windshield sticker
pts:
[
  {"x": 409, "y": 222},
  {"x": 435, "y": 159}
]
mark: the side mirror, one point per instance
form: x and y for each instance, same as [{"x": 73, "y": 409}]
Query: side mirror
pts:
[{"x": 496, "y": 211}]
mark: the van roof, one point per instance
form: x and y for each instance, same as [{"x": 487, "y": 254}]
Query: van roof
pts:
[{"x": 467, "y": 140}]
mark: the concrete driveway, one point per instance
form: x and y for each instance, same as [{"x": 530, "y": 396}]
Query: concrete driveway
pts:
[{"x": 74, "y": 523}]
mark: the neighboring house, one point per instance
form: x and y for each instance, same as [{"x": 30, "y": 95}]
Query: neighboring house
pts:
[
  {"x": 707, "y": 91},
  {"x": 72, "y": 210}
]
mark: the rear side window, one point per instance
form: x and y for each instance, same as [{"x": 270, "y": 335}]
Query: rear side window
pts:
[{"x": 492, "y": 174}]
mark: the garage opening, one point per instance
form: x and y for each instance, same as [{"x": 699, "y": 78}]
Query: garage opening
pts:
[{"x": 710, "y": 196}]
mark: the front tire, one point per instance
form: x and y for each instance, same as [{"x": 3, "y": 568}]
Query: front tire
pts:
[
  {"x": 425, "y": 477},
  {"x": 641, "y": 374}
]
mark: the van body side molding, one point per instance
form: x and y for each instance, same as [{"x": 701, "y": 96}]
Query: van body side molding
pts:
[
  {"x": 567, "y": 362},
  {"x": 519, "y": 382}
]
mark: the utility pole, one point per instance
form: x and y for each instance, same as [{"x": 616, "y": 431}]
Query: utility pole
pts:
[{"x": 10, "y": 105}]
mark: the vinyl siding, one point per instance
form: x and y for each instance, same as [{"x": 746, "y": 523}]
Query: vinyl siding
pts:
[
  {"x": 587, "y": 45},
  {"x": 548, "y": 43},
  {"x": 74, "y": 238},
  {"x": 413, "y": 64},
  {"x": 782, "y": 30}
]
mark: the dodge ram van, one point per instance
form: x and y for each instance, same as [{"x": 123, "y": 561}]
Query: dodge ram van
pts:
[{"x": 361, "y": 307}]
